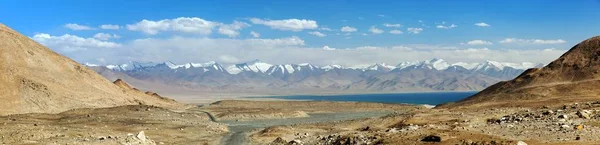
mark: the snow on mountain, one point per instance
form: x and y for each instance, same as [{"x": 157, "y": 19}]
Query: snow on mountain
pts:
[
  {"x": 306, "y": 65},
  {"x": 381, "y": 67},
  {"x": 256, "y": 66},
  {"x": 468, "y": 66},
  {"x": 406, "y": 64},
  {"x": 331, "y": 67},
  {"x": 90, "y": 64},
  {"x": 487, "y": 65},
  {"x": 523, "y": 65},
  {"x": 438, "y": 64}
]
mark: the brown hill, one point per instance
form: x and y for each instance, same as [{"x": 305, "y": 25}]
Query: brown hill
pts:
[
  {"x": 122, "y": 84},
  {"x": 34, "y": 79},
  {"x": 573, "y": 77}
]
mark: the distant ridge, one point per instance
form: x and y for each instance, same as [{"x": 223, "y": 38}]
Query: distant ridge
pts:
[
  {"x": 573, "y": 77},
  {"x": 34, "y": 79}
]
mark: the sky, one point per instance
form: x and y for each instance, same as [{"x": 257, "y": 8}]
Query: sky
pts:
[{"x": 346, "y": 32}]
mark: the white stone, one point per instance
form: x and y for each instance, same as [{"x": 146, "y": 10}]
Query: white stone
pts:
[{"x": 141, "y": 136}]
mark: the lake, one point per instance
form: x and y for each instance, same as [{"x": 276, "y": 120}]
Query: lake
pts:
[{"x": 429, "y": 98}]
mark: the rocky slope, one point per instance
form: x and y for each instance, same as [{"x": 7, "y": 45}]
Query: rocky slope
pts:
[
  {"x": 572, "y": 77},
  {"x": 35, "y": 79}
]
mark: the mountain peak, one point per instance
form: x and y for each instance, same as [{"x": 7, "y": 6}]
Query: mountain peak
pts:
[{"x": 572, "y": 77}]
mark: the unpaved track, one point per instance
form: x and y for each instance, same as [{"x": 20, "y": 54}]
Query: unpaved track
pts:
[{"x": 239, "y": 129}]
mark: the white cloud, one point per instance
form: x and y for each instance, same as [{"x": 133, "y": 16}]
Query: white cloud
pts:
[
  {"x": 232, "y": 30},
  {"x": 110, "y": 27},
  {"x": 348, "y": 29},
  {"x": 254, "y": 34},
  {"x": 446, "y": 27},
  {"x": 396, "y": 31},
  {"x": 392, "y": 25},
  {"x": 287, "y": 24},
  {"x": 479, "y": 42},
  {"x": 414, "y": 30},
  {"x": 375, "y": 30},
  {"x": 317, "y": 33},
  {"x": 328, "y": 48},
  {"x": 482, "y": 24},
  {"x": 278, "y": 51},
  {"x": 326, "y": 29},
  {"x": 78, "y": 27},
  {"x": 531, "y": 41},
  {"x": 182, "y": 24},
  {"x": 380, "y": 15},
  {"x": 105, "y": 36},
  {"x": 71, "y": 43}
]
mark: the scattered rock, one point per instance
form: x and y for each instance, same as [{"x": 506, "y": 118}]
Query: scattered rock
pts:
[
  {"x": 584, "y": 114},
  {"x": 521, "y": 143},
  {"x": 564, "y": 126},
  {"x": 141, "y": 136},
  {"x": 549, "y": 112},
  {"x": 279, "y": 141},
  {"x": 295, "y": 142},
  {"x": 366, "y": 128},
  {"x": 579, "y": 127},
  {"x": 432, "y": 138},
  {"x": 564, "y": 116}
]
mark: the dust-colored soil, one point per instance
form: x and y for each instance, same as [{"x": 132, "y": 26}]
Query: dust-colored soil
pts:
[
  {"x": 538, "y": 125},
  {"x": 251, "y": 110},
  {"x": 117, "y": 125},
  {"x": 573, "y": 77}
]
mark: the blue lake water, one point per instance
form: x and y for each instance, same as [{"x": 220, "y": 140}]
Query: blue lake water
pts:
[{"x": 434, "y": 98}]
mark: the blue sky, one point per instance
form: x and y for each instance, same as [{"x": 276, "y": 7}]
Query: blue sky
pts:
[{"x": 513, "y": 30}]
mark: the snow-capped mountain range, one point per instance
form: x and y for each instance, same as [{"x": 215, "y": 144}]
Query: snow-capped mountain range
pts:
[
  {"x": 258, "y": 66},
  {"x": 428, "y": 75}
]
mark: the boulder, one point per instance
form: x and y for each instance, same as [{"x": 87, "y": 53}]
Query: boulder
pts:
[
  {"x": 564, "y": 116},
  {"x": 521, "y": 143},
  {"x": 279, "y": 141},
  {"x": 141, "y": 136},
  {"x": 432, "y": 138},
  {"x": 584, "y": 114}
]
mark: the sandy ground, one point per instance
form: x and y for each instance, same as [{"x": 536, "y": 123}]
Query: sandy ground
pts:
[
  {"x": 117, "y": 125},
  {"x": 547, "y": 125}
]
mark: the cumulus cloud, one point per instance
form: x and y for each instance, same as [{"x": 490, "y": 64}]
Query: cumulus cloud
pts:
[
  {"x": 317, "y": 33},
  {"x": 105, "y": 36},
  {"x": 348, "y": 29},
  {"x": 278, "y": 51},
  {"x": 479, "y": 42},
  {"x": 232, "y": 30},
  {"x": 396, "y": 31},
  {"x": 182, "y": 24},
  {"x": 531, "y": 41},
  {"x": 254, "y": 34},
  {"x": 328, "y": 48},
  {"x": 446, "y": 26},
  {"x": 482, "y": 24},
  {"x": 392, "y": 25},
  {"x": 287, "y": 24},
  {"x": 71, "y": 43},
  {"x": 414, "y": 30},
  {"x": 110, "y": 27},
  {"x": 375, "y": 30},
  {"x": 78, "y": 27}
]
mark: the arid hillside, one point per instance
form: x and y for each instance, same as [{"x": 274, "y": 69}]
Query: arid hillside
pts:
[
  {"x": 34, "y": 79},
  {"x": 573, "y": 77}
]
